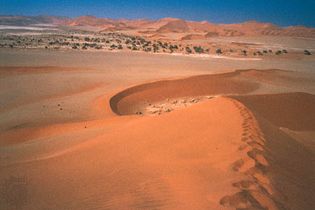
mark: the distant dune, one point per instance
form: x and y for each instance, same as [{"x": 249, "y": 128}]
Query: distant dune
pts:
[{"x": 166, "y": 25}]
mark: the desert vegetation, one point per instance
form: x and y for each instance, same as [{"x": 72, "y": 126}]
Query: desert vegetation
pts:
[{"x": 113, "y": 41}]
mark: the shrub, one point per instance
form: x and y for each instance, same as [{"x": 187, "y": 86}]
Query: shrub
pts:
[
  {"x": 98, "y": 47},
  {"x": 198, "y": 49},
  {"x": 279, "y": 52},
  {"x": 218, "y": 51},
  {"x": 188, "y": 50},
  {"x": 306, "y": 52}
]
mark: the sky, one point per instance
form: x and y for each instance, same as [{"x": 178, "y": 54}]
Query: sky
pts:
[{"x": 280, "y": 12}]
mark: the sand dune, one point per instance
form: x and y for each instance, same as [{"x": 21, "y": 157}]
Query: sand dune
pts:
[
  {"x": 291, "y": 161},
  {"x": 229, "y": 148},
  {"x": 288, "y": 110},
  {"x": 127, "y": 101},
  {"x": 162, "y": 26}
]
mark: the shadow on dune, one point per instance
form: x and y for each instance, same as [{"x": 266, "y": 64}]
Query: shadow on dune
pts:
[
  {"x": 290, "y": 167},
  {"x": 295, "y": 111},
  {"x": 291, "y": 162},
  {"x": 127, "y": 101}
]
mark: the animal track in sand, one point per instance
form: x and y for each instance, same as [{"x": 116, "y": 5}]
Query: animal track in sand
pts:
[
  {"x": 255, "y": 190},
  {"x": 241, "y": 200}
]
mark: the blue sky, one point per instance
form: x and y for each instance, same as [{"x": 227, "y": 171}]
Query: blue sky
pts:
[{"x": 281, "y": 12}]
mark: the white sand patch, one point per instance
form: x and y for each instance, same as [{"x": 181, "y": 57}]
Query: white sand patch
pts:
[
  {"x": 5, "y": 27},
  {"x": 216, "y": 56}
]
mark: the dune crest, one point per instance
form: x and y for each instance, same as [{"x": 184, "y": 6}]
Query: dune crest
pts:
[{"x": 215, "y": 142}]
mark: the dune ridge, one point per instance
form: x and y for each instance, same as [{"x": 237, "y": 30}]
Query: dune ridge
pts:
[
  {"x": 229, "y": 148},
  {"x": 266, "y": 149},
  {"x": 165, "y": 25},
  {"x": 256, "y": 190}
]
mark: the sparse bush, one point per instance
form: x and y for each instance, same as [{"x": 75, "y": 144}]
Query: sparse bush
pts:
[
  {"x": 98, "y": 47},
  {"x": 198, "y": 49},
  {"x": 278, "y": 52},
  {"x": 259, "y": 53},
  {"x": 306, "y": 52},
  {"x": 148, "y": 49},
  {"x": 218, "y": 51},
  {"x": 285, "y": 51},
  {"x": 188, "y": 50}
]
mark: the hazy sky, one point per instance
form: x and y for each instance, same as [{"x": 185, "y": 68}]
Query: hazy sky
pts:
[{"x": 281, "y": 12}]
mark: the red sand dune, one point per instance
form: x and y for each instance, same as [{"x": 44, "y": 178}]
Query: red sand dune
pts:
[
  {"x": 270, "y": 148},
  {"x": 168, "y": 25},
  {"x": 223, "y": 153},
  {"x": 126, "y": 102}
]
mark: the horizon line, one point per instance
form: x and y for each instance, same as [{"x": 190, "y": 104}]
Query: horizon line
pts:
[{"x": 155, "y": 19}]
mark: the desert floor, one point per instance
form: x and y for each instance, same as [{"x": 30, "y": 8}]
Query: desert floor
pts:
[{"x": 122, "y": 130}]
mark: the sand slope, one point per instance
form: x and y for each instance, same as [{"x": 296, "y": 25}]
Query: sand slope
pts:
[
  {"x": 235, "y": 151},
  {"x": 148, "y": 163}
]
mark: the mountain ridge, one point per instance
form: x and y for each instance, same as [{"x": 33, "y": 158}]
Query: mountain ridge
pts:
[{"x": 165, "y": 25}]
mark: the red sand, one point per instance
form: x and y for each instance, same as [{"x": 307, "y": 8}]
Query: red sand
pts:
[{"x": 223, "y": 153}]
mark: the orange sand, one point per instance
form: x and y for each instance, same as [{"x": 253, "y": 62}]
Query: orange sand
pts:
[{"x": 242, "y": 150}]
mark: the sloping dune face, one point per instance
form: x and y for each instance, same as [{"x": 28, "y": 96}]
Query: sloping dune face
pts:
[
  {"x": 132, "y": 99},
  {"x": 220, "y": 152},
  {"x": 291, "y": 159},
  {"x": 295, "y": 111},
  {"x": 270, "y": 178}
]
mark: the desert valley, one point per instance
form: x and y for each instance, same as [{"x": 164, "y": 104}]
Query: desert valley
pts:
[{"x": 99, "y": 113}]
